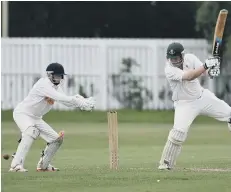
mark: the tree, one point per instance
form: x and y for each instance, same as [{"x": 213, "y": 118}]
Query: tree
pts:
[
  {"x": 206, "y": 21},
  {"x": 109, "y": 19}
]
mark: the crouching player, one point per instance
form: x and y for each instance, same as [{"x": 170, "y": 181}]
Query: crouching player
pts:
[{"x": 28, "y": 117}]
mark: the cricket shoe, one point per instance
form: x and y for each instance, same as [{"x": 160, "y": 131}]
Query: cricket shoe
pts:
[
  {"x": 50, "y": 168},
  {"x": 164, "y": 166},
  {"x": 229, "y": 124},
  {"x": 18, "y": 168},
  {"x": 13, "y": 155}
]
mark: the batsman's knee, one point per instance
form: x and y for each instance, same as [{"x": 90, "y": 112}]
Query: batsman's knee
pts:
[
  {"x": 32, "y": 132},
  {"x": 177, "y": 136}
]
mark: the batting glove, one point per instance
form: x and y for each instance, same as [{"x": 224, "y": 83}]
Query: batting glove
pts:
[
  {"x": 214, "y": 72},
  {"x": 212, "y": 62}
]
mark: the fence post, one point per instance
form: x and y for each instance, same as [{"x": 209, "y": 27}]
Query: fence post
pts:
[
  {"x": 155, "y": 77},
  {"x": 104, "y": 76}
]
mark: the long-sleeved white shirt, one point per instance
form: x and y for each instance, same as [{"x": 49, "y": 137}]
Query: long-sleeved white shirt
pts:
[
  {"x": 184, "y": 89},
  {"x": 41, "y": 98}
]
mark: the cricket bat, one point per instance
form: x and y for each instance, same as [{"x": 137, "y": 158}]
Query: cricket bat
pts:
[{"x": 218, "y": 33}]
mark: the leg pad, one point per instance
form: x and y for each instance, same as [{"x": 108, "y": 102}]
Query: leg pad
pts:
[
  {"x": 49, "y": 152},
  {"x": 172, "y": 147}
]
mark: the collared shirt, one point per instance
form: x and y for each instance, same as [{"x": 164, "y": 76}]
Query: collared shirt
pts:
[
  {"x": 184, "y": 89},
  {"x": 41, "y": 98}
]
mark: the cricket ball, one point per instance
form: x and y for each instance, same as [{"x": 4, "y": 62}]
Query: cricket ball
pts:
[{"x": 6, "y": 156}]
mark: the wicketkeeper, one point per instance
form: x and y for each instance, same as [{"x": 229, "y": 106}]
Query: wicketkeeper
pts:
[{"x": 29, "y": 113}]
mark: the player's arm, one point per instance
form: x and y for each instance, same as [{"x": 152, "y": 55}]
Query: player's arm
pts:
[
  {"x": 177, "y": 74},
  {"x": 193, "y": 74},
  {"x": 198, "y": 63},
  {"x": 211, "y": 71},
  {"x": 68, "y": 104},
  {"x": 48, "y": 91}
]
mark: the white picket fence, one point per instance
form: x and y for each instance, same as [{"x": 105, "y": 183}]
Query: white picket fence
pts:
[{"x": 91, "y": 63}]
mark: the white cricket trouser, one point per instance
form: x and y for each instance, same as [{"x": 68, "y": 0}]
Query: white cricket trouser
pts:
[
  {"x": 208, "y": 104},
  {"x": 24, "y": 121}
]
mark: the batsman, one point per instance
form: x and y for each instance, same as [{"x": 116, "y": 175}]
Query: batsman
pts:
[{"x": 190, "y": 98}]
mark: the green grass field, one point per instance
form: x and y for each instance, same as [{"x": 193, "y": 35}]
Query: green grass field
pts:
[{"x": 84, "y": 160}]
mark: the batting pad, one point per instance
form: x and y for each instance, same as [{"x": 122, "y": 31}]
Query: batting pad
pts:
[
  {"x": 22, "y": 151},
  {"x": 49, "y": 153},
  {"x": 172, "y": 147}
]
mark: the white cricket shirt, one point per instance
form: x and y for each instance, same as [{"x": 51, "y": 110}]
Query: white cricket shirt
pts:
[
  {"x": 41, "y": 98},
  {"x": 184, "y": 89}
]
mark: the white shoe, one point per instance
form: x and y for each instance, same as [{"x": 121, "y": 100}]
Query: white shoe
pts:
[
  {"x": 164, "y": 167},
  {"x": 49, "y": 168},
  {"x": 18, "y": 168}
]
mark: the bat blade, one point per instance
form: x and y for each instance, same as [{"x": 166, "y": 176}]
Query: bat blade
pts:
[{"x": 218, "y": 33}]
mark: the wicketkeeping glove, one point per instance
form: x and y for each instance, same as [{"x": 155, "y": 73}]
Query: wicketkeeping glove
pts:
[
  {"x": 90, "y": 104},
  {"x": 79, "y": 96}
]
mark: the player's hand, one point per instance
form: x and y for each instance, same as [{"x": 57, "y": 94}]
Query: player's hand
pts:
[
  {"x": 214, "y": 71},
  {"x": 79, "y": 96},
  {"x": 212, "y": 62},
  {"x": 90, "y": 104}
]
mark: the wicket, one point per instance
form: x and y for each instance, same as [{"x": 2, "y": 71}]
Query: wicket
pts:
[{"x": 113, "y": 139}]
